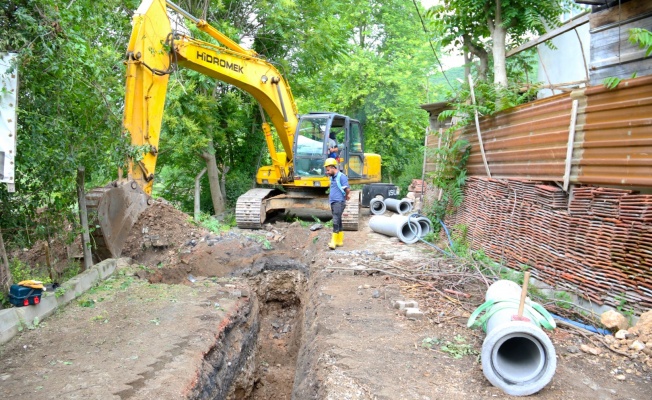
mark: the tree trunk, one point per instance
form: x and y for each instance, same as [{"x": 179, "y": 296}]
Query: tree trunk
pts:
[
  {"x": 198, "y": 193},
  {"x": 213, "y": 179},
  {"x": 468, "y": 58},
  {"x": 480, "y": 52},
  {"x": 83, "y": 220},
  {"x": 500, "y": 65},
  {"x": 5, "y": 273},
  {"x": 225, "y": 170},
  {"x": 498, "y": 35}
]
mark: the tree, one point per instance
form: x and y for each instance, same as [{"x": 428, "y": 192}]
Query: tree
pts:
[
  {"x": 71, "y": 90},
  {"x": 381, "y": 82},
  {"x": 495, "y": 25}
]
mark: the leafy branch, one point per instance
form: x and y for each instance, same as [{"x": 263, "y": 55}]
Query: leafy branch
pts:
[{"x": 637, "y": 36}]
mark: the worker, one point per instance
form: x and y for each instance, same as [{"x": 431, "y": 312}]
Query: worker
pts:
[
  {"x": 338, "y": 196},
  {"x": 332, "y": 146}
]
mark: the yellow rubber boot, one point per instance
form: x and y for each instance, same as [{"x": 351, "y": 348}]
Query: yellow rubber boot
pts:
[
  {"x": 339, "y": 239},
  {"x": 333, "y": 243}
]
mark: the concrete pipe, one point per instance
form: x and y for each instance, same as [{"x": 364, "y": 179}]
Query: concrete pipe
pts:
[
  {"x": 424, "y": 222},
  {"x": 398, "y": 206},
  {"x": 407, "y": 231},
  {"x": 517, "y": 356},
  {"x": 377, "y": 206}
]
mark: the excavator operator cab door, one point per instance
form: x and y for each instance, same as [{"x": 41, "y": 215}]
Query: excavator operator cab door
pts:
[{"x": 353, "y": 150}]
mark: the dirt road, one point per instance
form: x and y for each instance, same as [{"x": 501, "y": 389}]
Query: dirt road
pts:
[{"x": 274, "y": 314}]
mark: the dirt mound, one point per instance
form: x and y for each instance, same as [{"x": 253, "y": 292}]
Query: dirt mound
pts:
[
  {"x": 160, "y": 235},
  {"x": 51, "y": 257}
]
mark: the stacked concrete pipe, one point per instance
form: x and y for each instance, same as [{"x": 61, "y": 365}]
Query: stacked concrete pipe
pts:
[
  {"x": 398, "y": 206},
  {"x": 517, "y": 356},
  {"x": 377, "y": 206},
  {"x": 397, "y": 226},
  {"x": 424, "y": 222}
]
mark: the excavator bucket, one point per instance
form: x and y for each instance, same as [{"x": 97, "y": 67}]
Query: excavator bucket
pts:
[{"x": 112, "y": 212}]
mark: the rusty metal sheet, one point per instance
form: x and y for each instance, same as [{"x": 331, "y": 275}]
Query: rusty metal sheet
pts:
[{"x": 612, "y": 146}]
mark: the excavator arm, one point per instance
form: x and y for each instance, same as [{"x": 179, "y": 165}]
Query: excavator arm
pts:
[{"x": 155, "y": 51}]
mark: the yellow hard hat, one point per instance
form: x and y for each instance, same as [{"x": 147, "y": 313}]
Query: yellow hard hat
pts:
[{"x": 330, "y": 162}]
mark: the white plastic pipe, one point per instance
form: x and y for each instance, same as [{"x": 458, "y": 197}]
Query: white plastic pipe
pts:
[
  {"x": 517, "y": 356},
  {"x": 398, "y": 206},
  {"x": 377, "y": 206},
  {"x": 398, "y": 226}
]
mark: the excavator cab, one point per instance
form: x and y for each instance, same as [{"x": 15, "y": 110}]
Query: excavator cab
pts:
[{"x": 312, "y": 143}]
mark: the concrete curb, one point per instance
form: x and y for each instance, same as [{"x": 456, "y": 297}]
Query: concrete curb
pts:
[{"x": 12, "y": 318}]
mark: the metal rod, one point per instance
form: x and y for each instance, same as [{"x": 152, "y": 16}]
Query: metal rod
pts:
[
  {"x": 278, "y": 89},
  {"x": 181, "y": 11}
]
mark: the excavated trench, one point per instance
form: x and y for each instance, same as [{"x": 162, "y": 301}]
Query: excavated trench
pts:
[{"x": 256, "y": 355}]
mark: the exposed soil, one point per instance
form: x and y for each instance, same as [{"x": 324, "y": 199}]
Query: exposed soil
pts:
[{"x": 327, "y": 328}]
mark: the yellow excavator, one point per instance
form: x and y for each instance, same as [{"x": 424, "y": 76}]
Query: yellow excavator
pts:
[{"x": 155, "y": 50}]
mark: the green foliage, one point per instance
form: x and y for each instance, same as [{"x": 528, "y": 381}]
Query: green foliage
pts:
[
  {"x": 60, "y": 291},
  {"x": 611, "y": 82},
  {"x": 430, "y": 342},
  {"x": 71, "y": 88},
  {"x": 212, "y": 224},
  {"x": 458, "y": 348},
  {"x": 623, "y": 308},
  {"x": 450, "y": 174},
  {"x": 642, "y": 38},
  {"x": 22, "y": 272},
  {"x": 474, "y": 26},
  {"x": 412, "y": 170},
  {"x": 637, "y": 36},
  {"x": 86, "y": 303}
]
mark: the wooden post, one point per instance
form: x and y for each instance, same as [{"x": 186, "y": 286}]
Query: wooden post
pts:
[
  {"x": 83, "y": 217},
  {"x": 7, "y": 280},
  {"x": 477, "y": 128},
  {"x": 198, "y": 192},
  {"x": 570, "y": 145}
]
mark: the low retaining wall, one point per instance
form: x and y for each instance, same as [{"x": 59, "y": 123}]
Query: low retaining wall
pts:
[
  {"x": 11, "y": 319},
  {"x": 598, "y": 245}
]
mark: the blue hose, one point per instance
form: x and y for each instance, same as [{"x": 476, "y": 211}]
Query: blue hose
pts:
[
  {"x": 589, "y": 328},
  {"x": 416, "y": 215}
]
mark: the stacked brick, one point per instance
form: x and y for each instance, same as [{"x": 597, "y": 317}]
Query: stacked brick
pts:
[{"x": 598, "y": 245}]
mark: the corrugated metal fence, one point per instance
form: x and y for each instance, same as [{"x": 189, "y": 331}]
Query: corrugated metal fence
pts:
[{"x": 612, "y": 142}]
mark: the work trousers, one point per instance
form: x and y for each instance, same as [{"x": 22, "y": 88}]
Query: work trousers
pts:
[{"x": 337, "y": 209}]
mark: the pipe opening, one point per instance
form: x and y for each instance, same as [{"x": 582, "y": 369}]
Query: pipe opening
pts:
[
  {"x": 409, "y": 232},
  {"x": 518, "y": 358},
  {"x": 377, "y": 206}
]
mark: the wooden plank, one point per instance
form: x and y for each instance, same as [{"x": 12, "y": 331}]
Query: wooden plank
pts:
[
  {"x": 624, "y": 58},
  {"x": 619, "y": 13},
  {"x": 615, "y": 34},
  {"x": 623, "y": 71},
  {"x": 550, "y": 35}
]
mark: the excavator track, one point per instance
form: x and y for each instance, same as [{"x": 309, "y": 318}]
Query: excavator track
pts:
[
  {"x": 351, "y": 215},
  {"x": 250, "y": 209}
]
